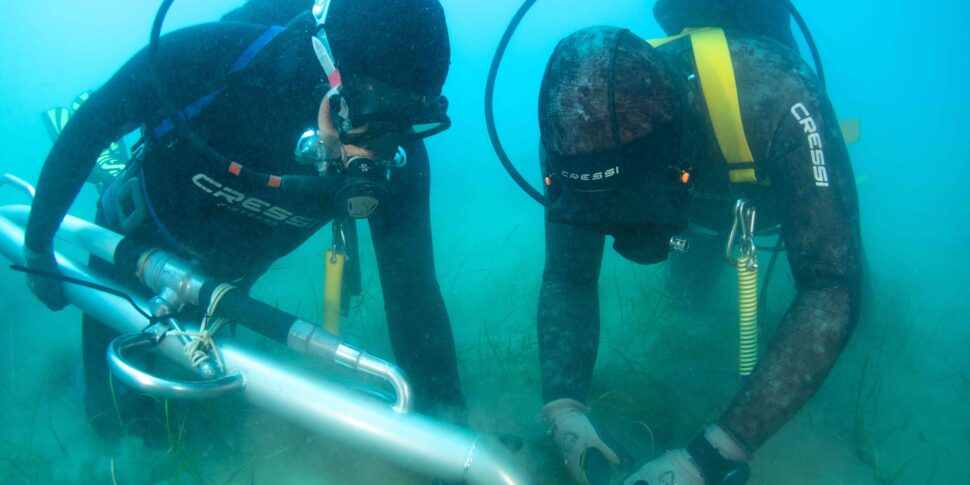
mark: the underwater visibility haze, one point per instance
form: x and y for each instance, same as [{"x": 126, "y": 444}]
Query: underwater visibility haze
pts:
[{"x": 894, "y": 410}]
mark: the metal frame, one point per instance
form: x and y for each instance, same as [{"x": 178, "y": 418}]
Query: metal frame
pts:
[{"x": 348, "y": 417}]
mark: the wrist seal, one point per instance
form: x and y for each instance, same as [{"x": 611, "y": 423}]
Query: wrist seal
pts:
[{"x": 716, "y": 469}]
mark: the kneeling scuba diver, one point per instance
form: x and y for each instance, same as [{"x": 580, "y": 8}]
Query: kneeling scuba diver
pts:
[
  {"x": 353, "y": 151},
  {"x": 629, "y": 175},
  {"x": 361, "y": 125},
  {"x": 234, "y": 214}
]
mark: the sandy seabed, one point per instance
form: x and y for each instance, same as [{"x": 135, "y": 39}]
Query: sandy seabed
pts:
[{"x": 895, "y": 410}]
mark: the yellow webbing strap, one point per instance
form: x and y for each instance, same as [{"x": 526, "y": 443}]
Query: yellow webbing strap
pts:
[
  {"x": 665, "y": 40},
  {"x": 716, "y": 72}
]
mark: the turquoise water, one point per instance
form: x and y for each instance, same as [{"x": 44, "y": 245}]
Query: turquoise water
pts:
[{"x": 895, "y": 410}]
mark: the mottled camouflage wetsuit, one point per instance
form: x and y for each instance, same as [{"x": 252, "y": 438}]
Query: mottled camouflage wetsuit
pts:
[
  {"x": 791, "y": 127},
  {"x": 236, "y": 229}
]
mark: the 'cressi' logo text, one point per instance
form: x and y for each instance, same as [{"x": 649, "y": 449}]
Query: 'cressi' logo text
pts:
[
  {"x": 256, "y": 208},
  {"x": 589, "y": 177},
  {"x": 800, "y": 112}
]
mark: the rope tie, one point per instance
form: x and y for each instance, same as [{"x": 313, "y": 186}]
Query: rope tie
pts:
[{"x": 201, "y": 343}]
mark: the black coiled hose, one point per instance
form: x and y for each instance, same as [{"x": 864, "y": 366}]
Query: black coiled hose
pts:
[{"x": 305, "y": 184}]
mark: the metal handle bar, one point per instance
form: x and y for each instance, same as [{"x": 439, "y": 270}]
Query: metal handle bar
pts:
[
  {"x": 164, "y": 388},
  {"x": 18, "y": 183}
]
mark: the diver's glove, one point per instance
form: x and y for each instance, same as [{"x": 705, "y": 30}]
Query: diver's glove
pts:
[
  {"x": 47, "y": 289},
  {"x": 586, "y": 449},
  {"x": 712, "y": 458},
  {"x": 674, "y": 467}
]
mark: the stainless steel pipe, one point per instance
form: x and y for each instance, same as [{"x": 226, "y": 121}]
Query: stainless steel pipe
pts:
[
  {"x": 414, "y": 441},
  {"x": 178, "y": 283}
]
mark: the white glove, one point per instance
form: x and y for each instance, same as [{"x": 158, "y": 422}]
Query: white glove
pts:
[
  {"x": 674, "y": 467},
  {"x": 572, "y": 430},
  {"x": 715, "y": 453}
]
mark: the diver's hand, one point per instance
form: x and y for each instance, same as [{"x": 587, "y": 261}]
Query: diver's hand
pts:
[
  {"x": 714, "y": 456},
  {"x": 577, "y": 437},
  {"x": 48, "y": 290},
  {"x": 674, "y": 467}
]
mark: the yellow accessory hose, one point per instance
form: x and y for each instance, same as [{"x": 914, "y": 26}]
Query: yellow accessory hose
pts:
[
  {"x": 747, "y": 315},
  {"x": 333, "y": 284}
]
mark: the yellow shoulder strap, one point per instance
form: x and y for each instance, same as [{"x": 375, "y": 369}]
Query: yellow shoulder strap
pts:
[
  {"x": 716, "y": 73},
  {"x": 720, "y": 89},
  {"x": 666, "y": 40}
]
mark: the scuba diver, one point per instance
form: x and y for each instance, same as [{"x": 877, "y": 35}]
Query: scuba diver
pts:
[
  {"x": 215, "y": 179},
  {"x": 638, "y": 140}
]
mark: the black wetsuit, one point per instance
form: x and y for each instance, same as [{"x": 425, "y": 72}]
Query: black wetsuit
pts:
[
  {"x": 795, "y": 139},
  {"x": 234, "y": 227}
]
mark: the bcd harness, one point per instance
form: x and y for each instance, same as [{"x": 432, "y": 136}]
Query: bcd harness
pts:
[
  {"x": 716, "y": 72},
  {"x": 715, "y": 69},
  {"x": 719, "y": 87},
  {"x": 342, "y": 280}
]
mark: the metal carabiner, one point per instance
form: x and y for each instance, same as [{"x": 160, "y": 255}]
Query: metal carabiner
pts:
[{"x": 745, "y": 215}]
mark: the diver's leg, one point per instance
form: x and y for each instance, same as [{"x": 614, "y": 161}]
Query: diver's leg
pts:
[
  {"x": 112, "y": 408},
  {"x": 417, "y": 320},
  {"x": 101, "y": 405},
  {"x": 98, "y": 402}
]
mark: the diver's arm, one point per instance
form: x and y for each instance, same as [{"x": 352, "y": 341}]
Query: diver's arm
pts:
[
  {"x": 814, "y": 188},
  {"x": 126, "y": 101},
  {"x": 568, "y": 316},
  {"x": 568, "y": 327},
  {"x": 110, "y": 112}
]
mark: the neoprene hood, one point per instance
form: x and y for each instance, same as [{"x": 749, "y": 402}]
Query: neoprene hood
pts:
[
  {"x": 403, "y": 43},
  {"x": 610, "y": 116}
]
